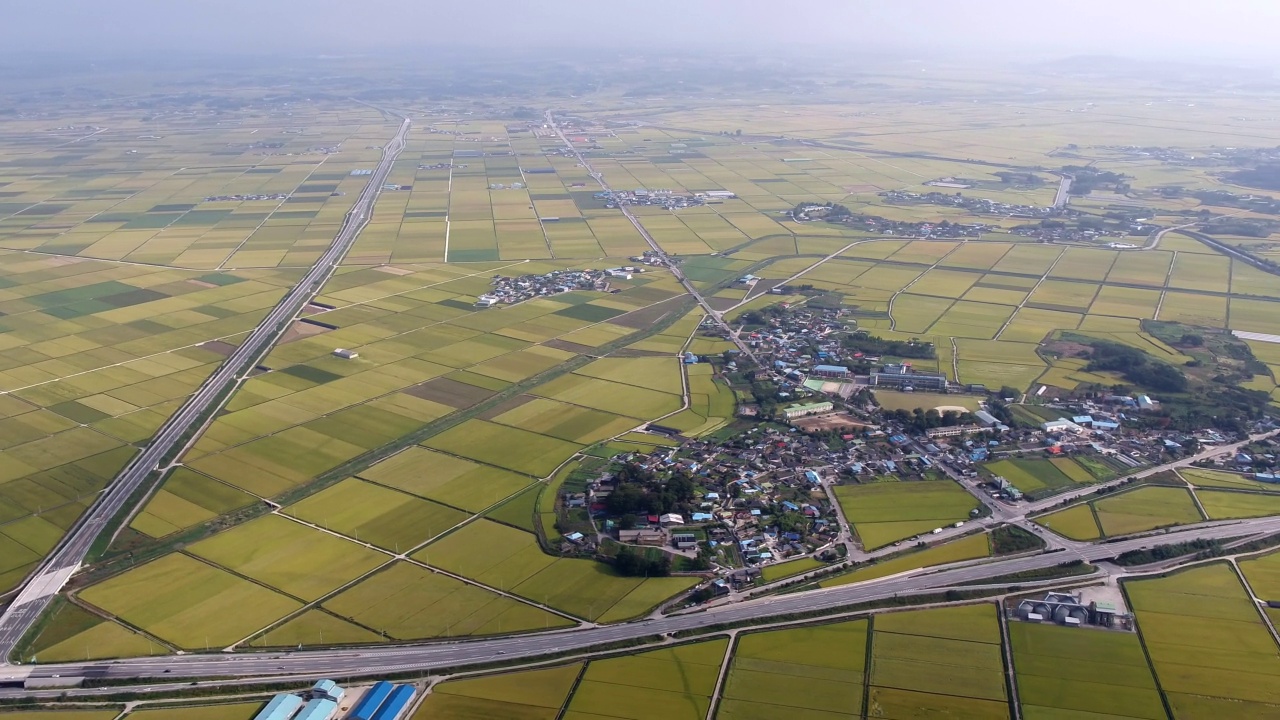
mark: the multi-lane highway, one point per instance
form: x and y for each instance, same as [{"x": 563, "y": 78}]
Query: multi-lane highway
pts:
[
  {"x": 65, "y": 560},
  {"x": 429, "y": 656}
]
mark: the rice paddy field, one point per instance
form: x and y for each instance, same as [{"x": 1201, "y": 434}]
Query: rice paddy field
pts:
[
  {"x": 1041, "y": 476},
  {"x": 885, "y": 512},
  {"x": 524, "y": 695},
  {"x": 1064, "y": 672},
  {"x": 944, "y": 662},
  {"x": 1211, "y": 651},
  {"x": 134, "y": 257},
  {"x": 817, "y": 672},
  {"x": 1132, "y": 511},
  {"x": 972, "y": 547},
  {"x": 672, "y": 683}
]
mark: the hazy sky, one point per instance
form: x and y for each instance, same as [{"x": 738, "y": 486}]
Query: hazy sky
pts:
[{"x": 1172, "y": 28}]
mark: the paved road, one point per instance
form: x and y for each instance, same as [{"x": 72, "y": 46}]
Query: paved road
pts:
[
  {"x": 66, "y": 559},
  {"x": 674, "y": 267},
  {"x": 426, "y": 657},
  {"x": 1064, "y": 192}
]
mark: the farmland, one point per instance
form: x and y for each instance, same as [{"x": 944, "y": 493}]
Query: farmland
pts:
[
  {"x": 511, "y": 560},
  {"x": 814, "y": 671},
  {"x": 969, "y": 548},
  {"x": 407, "y": 490},
  {"x": 1036, "y": 476},
  {"x": 669, "y": 683},
  {"x": 942, "y": 662},
  {"x": 1062, "y": 670},
  {"x": 1210, "y": 649},
  {"x": 885, "y": 512},
  {"x": 526, "y": 695},
  {"x": 1138, "y": 510}
]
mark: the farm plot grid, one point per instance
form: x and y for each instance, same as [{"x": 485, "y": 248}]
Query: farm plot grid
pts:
[
  {"x": 93, "y": 358},
  {"x": 266, "y": 191}
]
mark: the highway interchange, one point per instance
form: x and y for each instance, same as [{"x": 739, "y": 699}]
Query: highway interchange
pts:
[{"x": 164, "y": 673}]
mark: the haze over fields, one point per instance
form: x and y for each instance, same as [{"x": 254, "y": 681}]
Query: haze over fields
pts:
[{"x": 1173, "y": 29}]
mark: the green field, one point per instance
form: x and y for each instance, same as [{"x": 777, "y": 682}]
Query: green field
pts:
[
  {"x": 71, "y": 633},
  {"x": 526, "y": 695},
  {"x": 1263, "y": 574},
  {"x": 885, "y": 512},
  {"x": 370, "y": 513},
  {"x": 511, "y": 560},
  {"x": 968, "y": 548},
  {"x": 944, "y": 662},
  {"x": 1064, "y": 670},
  {"x": 1037, "y": 475},
  {"x": 407, "y": 602},
  {"x": 1132, "y": 511},
  {"x": 228, "y": 711},
  {"x": 1207, "y": 642},
  {"x": 670, "y": 683},
  {"x": 1202, "y": 478},
  {"x": 816, "y": 671},
  {"x": 522, "y": 451},
  {"x": 268, "y": 549},
  {"x": 186, "y": 602}
]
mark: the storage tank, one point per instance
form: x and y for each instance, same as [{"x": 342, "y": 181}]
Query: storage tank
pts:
[
  {"x": 281, "y": 707},
  {"x": 371, "y": 701},
  {"x": 396, "y": 703}
]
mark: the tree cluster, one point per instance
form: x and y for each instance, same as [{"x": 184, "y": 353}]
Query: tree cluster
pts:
[
  {"x": 641, "y": 492},
  {"x": 1137, "y": 367},
  {"x": 630, "y": 563},
  {"x": 871, "y": 345},
  {"x": 920, "y": 420}
]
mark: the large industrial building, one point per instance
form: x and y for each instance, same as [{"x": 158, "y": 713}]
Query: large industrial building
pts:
[
  {"x": 902, "y": 377},
  {"x": 383, "y": 701}
]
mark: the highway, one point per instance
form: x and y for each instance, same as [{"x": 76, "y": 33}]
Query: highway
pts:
[
  {"x": 439, "y": 655},
  {"x": 67, "y": 557}
]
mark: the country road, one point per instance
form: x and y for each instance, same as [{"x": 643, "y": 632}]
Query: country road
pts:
[
  {"x": 671, "y": 265},
  {"x": 50, "y": 577}
]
